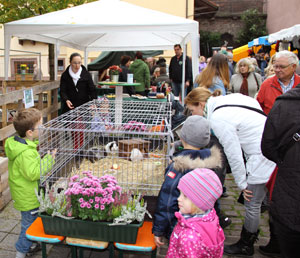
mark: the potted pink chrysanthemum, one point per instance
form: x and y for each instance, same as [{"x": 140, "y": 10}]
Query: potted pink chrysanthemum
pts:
[
  {"x": 92, "y": 208},
  {"x": 92, "y": 197}
]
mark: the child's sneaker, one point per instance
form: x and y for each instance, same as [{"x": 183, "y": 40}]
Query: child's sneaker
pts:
[
  {"x": 20, "y": 255},
  {"x": 36, "y": 247}
]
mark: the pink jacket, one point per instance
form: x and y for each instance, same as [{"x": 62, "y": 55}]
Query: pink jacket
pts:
[{"x": 197, "y": 237}]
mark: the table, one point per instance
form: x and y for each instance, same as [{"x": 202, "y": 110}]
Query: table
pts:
[
  {"x": 119, "y": 87},
  {"x": 119, "y": 96}
]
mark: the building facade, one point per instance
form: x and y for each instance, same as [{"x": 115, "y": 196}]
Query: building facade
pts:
[
  {"x": 23, "y": 49},
  {"x": 282, "y": 14},
  {"x": 226, "y": 19}
]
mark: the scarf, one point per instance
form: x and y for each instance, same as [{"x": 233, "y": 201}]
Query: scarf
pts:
[
  {"x": 75, "y": 76},
  {"x": 188, "y": 216},
  {"x": 244, "y": 86}
]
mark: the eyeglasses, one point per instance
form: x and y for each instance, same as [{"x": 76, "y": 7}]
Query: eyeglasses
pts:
[
  {"x": 76, "y": 63},
  {"x": 37, "y": 128},
  {"x": 280, "y": 67}
]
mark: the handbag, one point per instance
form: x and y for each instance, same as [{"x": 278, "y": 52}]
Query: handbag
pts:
[
  {"x": 256, "y": 81},
  {"x": 270, "y": 184}
]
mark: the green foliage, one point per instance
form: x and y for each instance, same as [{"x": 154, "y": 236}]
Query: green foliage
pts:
[
  {"x": 54, "y": 202},
  {"x": 11, "y": 10},
  {"x": 134, "y": 210},
  {"x": 208, "y": 40},
  {"x": 254, "y": 26}
]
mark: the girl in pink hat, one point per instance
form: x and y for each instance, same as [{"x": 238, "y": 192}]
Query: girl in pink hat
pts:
[{"x": 197, "y": 233}]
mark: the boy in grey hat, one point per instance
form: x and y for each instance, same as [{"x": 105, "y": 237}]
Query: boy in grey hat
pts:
[{"x": 195, "y": 136}]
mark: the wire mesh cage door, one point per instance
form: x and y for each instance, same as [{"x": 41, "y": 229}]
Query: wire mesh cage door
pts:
[{"x": 135, "y": 150}]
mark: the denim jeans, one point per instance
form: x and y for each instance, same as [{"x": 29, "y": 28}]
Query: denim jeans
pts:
[
  {"x": 252, "y": 207},
  {"x": 23, "y": 244},
  {"x": 176, "y": 88}
]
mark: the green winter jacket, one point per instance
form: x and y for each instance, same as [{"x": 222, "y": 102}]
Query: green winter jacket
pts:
[
  {"x": 24, "y": 165},
  {"x": 141, "y": 74}
]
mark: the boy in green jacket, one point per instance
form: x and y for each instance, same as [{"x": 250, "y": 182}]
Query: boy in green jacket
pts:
[{"x": 24, "y": 164}]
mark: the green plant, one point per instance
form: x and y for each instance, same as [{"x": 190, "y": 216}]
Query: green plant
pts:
[
  {"x": 23, "y": 66},
  {"x": 54, "y": 202},
  {"x": 114, "y": 70},
  {"x": 134, "y": 210},
  {"x": 92, "y": 198},
  {"x": 208, "y": 40},
  {"x": 254, "y": 26}
]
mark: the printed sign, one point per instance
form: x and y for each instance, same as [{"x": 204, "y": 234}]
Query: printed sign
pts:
[{"x": 28, "y": 98}]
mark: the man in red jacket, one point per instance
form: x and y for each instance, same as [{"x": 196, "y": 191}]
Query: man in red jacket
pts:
[{"x": 284, "y": 79}]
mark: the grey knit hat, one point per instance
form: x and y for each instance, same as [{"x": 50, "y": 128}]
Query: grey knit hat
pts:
[{"x": 195, "y": 131}]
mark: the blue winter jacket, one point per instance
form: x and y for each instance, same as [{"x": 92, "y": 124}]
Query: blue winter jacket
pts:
[{"x": 183, "y": 162}]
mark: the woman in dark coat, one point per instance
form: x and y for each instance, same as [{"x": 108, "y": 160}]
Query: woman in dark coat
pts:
[
  {"x": 125, "y": 63},
  {"x": 280, "y": 143},
  {"x": 76, "y": 85}
]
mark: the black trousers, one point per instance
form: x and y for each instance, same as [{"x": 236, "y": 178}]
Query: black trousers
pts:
[{"x": 289, "y": 240}]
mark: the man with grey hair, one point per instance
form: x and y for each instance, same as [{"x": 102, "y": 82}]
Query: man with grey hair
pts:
[{"x": 285, "y": 79}]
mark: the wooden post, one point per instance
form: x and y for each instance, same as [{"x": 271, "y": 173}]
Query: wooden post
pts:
[
  {"x": 55, "y": 102},
  {"x": 49, "y": 102}
]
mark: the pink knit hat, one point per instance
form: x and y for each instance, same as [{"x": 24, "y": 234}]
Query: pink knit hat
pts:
[{"x": 202, "y": 186}]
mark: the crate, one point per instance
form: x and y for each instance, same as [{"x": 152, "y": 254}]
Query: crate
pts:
[
  {"x": 126, "y": 146},
  {"x": 102, "y": 135},
  {"x": 5, "y": 196}
]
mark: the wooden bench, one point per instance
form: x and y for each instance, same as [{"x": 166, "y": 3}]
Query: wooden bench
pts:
[
  {"x": 77, "y": 243},
  {"x": 144, "y": 242},
  {"x": 36, "y": 233}
]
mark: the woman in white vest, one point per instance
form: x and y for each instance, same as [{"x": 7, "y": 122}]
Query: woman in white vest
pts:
[{"x": 238, "y": 122}]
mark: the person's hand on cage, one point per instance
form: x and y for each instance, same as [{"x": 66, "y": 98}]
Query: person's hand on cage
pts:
[
  {"x": 93, "y": 107},
  {"x": 69, "y": 104},
  {"x": 53, "y": 153}
]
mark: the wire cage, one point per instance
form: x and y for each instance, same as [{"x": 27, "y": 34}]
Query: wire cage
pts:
[{"x": 129, "y": 140}]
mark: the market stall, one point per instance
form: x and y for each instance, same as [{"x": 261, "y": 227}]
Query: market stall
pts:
[
  {"x": 288, "y": 34},
  {"x": 110, "y": 25}
]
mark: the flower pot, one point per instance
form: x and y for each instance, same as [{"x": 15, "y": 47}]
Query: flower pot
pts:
[
  {"x": 93, "y": 230},
  {"x": 114, "y": 77}
]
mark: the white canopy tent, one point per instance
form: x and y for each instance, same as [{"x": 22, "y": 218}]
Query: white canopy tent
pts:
[
  {"x": 287, "y": 34},
  {"x": 110, "y": 25}
]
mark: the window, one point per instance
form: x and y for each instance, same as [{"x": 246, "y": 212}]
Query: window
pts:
[
  {"x": 60, "y": 65},
  {"x": 24, "y": 65},
  {"x": 18, "y": 64}
]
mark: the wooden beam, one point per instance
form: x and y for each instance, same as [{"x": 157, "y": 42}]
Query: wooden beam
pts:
[
  {"x": 17, "y": 95},
  {"x": 6, "y": 132},
  {"x": 9, "y": 130},
  {"x": 3, "y": 165}
]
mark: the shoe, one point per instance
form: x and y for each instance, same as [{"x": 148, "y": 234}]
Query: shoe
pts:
[
  {"x": 224, "y": 194},
  {"x": 272, "y": 249},
  {"x": 269, "y": 250},
  {"x": 36, "y": 247},
  {"x": 224, "y": 221},
  {"x": 245, "y": 245},
  {"x": 20, "y": 255}
]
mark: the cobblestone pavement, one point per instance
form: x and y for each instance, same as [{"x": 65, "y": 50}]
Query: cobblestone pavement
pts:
[{"x": 10, "y": 228}]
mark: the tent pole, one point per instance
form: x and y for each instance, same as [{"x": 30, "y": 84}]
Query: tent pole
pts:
[
  {"x": 7, "y": 39},
  {"x": 56, "y": 53},
  {"x": 195, "y": 55},
  {"x": 85, "y": 57},
  {"x": 183, "y": 73}
]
